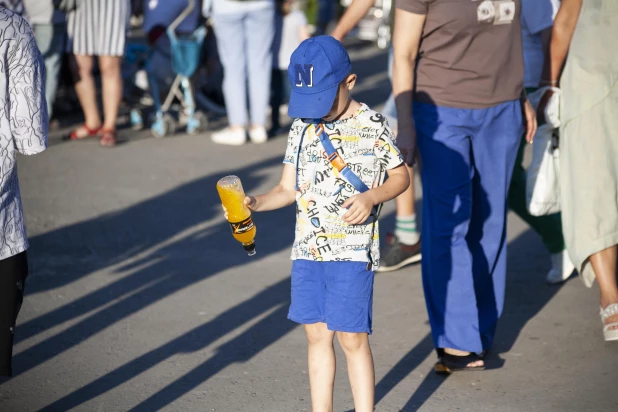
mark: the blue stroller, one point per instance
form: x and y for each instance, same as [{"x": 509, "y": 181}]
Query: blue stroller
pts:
[{"x": 185, "y": 55}]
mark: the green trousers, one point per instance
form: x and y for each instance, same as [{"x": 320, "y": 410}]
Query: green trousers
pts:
[{"x": 548, "y": 227}]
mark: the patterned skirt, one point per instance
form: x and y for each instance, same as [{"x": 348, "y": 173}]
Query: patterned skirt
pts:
[{"x": 98, "y": 27}]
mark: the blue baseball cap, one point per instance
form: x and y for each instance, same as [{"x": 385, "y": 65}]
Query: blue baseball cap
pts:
[{"x": 316, "y": 69}]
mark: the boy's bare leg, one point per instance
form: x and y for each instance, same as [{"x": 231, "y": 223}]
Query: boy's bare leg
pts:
[
  {"x": 321, "y": 366},
  {"x": 360, "y": 369}
]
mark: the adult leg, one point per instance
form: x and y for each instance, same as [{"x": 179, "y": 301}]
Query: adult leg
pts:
[
  {"x": 406, "y": 211},
  {"x": 86, "y": 93},
  {"x": 321, "y": 366},
  {"x": 360, "y": 369},
  {"x": 276, "y": 99},
  {"x": 447, "y": 173},
  {"x": 325, "y": 15},
  {"x": 406, "y": 214},
  {"x": 259, "y": 35},
  {"x": 494, "y": 147},
  {"x": 13, "y": 273},
  {"x": 231, "y": 46},
  {"x": 605, "y": 269},
  {"x": 50, "y": 39},
  {"x": 406, "y": 249},
  {"x": 404, "y": 203},
  {"x": 112, "y": 89}
]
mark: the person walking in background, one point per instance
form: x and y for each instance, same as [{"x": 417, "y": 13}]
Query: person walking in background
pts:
[
  {"x": 325, "y": 16},
  {"x": 23, "y": 129},
  {"x": 49, "y": 27},
  {"x": 291, "y": 30},
  {"x": 404, "y": 246},
  {"x": 245, "y": 32},
  {"x": 98, "y": 28},
  {"x": 537, "y": 18},
  {"x": 587, "y": 30},
  {"x": 458, "y": 69}
]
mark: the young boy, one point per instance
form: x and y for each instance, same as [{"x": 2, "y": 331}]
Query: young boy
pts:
[{"x": 336, "y": 247}]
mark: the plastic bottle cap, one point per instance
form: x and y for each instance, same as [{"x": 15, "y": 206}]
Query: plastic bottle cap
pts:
[{"x": 250, "y": 249}]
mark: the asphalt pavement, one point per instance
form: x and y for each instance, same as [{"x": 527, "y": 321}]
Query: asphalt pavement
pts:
[{"x": 139, "y": 298}]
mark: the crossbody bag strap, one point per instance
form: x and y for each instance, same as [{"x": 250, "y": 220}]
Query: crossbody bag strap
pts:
[
  {"x": 337, "y": 161},
  {"x": 342, "y": 167}
]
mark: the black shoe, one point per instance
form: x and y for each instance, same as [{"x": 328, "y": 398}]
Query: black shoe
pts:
[
  {"x": 399, "y": 255},
  {"x": 452, "y": 363}
]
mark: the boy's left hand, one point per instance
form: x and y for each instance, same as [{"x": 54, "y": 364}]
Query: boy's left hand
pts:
[{"x": 359, "y": 208}]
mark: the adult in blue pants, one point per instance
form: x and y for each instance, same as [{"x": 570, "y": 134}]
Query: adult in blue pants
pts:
[
  {"x": 245, "y": 31},
  {"x": 458, "y": 68}
]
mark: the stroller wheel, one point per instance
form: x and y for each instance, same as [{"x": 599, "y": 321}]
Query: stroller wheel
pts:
[
  {"x": 163, "y": 126},
  {"x": 197, "y": 123},
  {"x": 137, "y": 119}
]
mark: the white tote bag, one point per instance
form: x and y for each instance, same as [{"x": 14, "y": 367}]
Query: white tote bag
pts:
[{"x": 543, "y": 177}]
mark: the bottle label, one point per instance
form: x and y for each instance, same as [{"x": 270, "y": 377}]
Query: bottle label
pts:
[{"x": 243, "y": 226}]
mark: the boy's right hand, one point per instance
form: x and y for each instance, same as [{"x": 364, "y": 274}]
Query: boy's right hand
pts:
[{"x": 249, "y": 202}]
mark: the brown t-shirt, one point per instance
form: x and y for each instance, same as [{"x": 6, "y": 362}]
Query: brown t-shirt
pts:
[{"x": 470, "y": 54}]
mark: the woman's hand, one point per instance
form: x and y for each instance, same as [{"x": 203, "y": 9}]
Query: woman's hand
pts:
[
  {"x": 540, "y": 111},
  {"x": 406, "y": 143},
  {"x": 530, "y": 117},
  {"x": 359, "y": 208}
]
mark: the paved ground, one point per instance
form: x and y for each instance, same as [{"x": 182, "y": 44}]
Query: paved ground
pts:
[{"x": 139, "y": 298}]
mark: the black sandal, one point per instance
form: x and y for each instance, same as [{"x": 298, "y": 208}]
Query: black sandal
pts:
[{"x": 451, "y": 363}]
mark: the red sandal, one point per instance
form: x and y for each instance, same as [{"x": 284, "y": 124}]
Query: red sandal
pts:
[
  {"x": 108, "y": 138},
  {"x": 90, "y": 132}
]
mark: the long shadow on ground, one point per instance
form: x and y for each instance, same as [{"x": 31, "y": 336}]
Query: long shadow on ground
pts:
[
  {"x": 116, "y": 237},
  {"x": 526, "y": 295}
]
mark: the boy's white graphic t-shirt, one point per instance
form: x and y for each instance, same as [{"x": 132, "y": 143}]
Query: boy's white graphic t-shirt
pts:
[{"x": 366, "y": 144}]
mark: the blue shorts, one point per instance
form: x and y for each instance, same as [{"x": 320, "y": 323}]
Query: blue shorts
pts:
[{"x": 339, "y": 294}]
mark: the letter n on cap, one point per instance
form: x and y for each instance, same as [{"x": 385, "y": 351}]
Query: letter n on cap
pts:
[{"x": 304, "y": 74}]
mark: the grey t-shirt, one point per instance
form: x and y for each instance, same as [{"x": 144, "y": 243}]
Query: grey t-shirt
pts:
[
  {"x": 470, "y": 54},
  {"x": 23, "y": 121}
]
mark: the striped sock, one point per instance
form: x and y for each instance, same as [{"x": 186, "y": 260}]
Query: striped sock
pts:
[{"x": 405, "y": 230}]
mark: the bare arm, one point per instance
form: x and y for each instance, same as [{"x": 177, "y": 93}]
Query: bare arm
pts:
[
  {"x": 406, "y": 40},
  {"x": 355, "y": 12},
  {"x": 397, "y": 183},
  {"x": 546, "y": 40},
  {"x": 282, "y": 195},
  {"x": 360, "y": 206},
  {"x": 564, "y": 27}
]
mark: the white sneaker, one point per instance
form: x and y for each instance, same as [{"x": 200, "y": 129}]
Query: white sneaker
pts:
[
  {"x": 561, "y": 267},
  {"x": 258, "y": 135},
  {"x": 229, "y": 136}
]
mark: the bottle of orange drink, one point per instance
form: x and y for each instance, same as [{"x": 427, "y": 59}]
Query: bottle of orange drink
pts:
[{"x": 238, "y": 214}]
